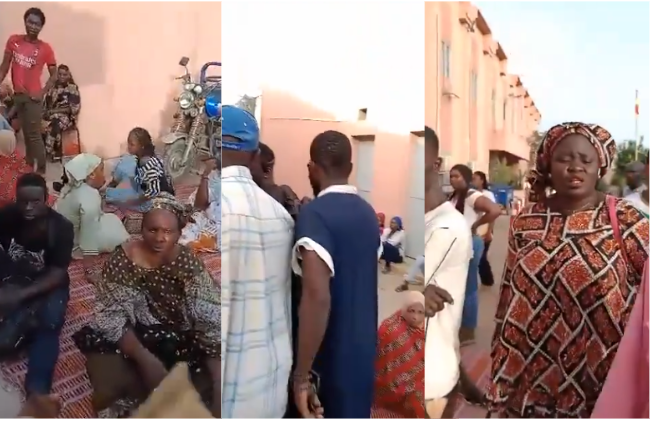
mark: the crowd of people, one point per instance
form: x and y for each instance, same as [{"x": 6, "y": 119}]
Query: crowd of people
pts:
[
  {"x": 570, "y": 297},
  {"x": 155, "y": 302}
]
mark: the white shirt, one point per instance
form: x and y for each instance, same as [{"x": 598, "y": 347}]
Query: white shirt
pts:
[
  {"x": 447, "y": 251},
  {"x": 397, "y": 239},
  {"x": 256, "y": 239},
  {"x": 309, "y": 244},
  {"x": 489, "y": 194}
]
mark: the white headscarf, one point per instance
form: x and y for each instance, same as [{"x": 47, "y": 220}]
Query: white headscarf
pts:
[{"x": 78, "y": 169}]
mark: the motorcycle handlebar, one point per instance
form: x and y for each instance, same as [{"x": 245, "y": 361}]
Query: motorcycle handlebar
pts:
[{"x": 205, "y": 68}]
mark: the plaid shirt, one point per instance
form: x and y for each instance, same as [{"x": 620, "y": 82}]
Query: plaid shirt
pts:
[{"x": 256, "y": 241}]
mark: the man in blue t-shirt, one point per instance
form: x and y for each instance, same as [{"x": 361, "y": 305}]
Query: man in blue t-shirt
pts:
[{"x": 336, "y": 253}]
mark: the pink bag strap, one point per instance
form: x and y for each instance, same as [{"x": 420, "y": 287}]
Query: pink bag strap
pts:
[{"x": 616, "y": 229}]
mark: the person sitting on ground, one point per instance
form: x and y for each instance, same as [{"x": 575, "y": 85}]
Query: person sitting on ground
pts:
[
  {"x": 399, "y": 368},
  {"x": 138, "y": 177},
  {"x": 60, "y": 111},
  {"x": 143, "y": 172},
  {"x": 479, "y": 211},
  {"x": 95, "y": 232},
  {"x": 156, "y": 305},
  {"x": 35, "y": 251},
  {"x": 12, "y": 166},
  {"x": 202, "y": 234},
  {"x": 393, "y": 244},
  {"x": 381, "y": 220}
]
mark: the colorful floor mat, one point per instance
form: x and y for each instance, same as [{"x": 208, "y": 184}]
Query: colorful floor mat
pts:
[{"x": 70, "y": 379}]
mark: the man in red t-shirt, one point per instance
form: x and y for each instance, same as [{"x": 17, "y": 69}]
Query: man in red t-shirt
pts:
[{"x": 26, "y": 56}]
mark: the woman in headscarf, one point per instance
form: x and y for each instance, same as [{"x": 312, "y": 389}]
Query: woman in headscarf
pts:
[
  {"x": 574, "y": 264},
  {"x": 12, "y": 166},
  {"x": 399, "y": 369},
  {"x": 392, "y": 241},
  {"x": 156, "y": 305},
  {"x": 479, "y": 212},
  {"x": 95, "y": 232},
  {"x": 202, "y": 234},
  {"x": 61, "y": 110}
]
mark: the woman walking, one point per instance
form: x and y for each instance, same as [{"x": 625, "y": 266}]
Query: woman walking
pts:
[
  {"x": 479, "y": 213},
  {"x": 574, "y": 264},
  {"x": 479, "y": 181}
]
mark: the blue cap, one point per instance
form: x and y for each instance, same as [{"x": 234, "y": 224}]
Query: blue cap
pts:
[{"x": 240, "y": 124}]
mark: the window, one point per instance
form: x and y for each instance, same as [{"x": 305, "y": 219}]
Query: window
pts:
[
  {"x": 493, "y": 106},
  {"x": 473, "y": 86},
  {"x": 446, "y": 59}
]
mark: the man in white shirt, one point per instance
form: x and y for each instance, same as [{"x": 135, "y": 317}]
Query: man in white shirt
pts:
[
  {"x": 256, "y": 242},
  {"x": 448, "y": 250}
]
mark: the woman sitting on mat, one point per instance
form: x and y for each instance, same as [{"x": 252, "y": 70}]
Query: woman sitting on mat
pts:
[
  {"x": 94, "y": 231},
  {"x": 399, "y": 378},
  {"x": 143, "y": 171},
  {"x": 156, "y": 305},
  {"x": 392, "y": 240}
]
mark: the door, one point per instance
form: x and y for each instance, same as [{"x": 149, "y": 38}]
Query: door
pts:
[
  {"x": 365, "y": 168},
  {"x": 415, "y": 225}
]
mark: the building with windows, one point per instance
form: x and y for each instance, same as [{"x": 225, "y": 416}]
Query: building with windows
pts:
[
  {"x": 361, "y": 80},
  {"x": 481, "y": 112}
]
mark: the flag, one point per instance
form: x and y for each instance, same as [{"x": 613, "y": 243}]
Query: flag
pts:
[{"x": 636, "y": 104}]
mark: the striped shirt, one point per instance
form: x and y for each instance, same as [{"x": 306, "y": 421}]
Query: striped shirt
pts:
[
  {"x": 256, "y": 242},
  {"x": 152, "y": 177}
]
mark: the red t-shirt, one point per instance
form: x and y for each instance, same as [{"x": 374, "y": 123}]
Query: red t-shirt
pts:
[{"x": 27, "y": 62}]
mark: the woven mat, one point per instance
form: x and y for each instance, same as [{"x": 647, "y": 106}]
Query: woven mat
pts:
[
  {"x": 70, "y": 379},
  {"x": 477, "y": 363}
]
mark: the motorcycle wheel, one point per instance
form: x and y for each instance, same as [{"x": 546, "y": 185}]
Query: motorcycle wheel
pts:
[{"x": 174, "y": 158}]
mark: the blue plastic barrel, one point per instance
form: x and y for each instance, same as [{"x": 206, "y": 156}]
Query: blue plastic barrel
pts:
[{"x": 503, "y": 194}]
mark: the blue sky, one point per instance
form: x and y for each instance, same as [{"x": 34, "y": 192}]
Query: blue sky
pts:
[{"x": 580, "y": 61}]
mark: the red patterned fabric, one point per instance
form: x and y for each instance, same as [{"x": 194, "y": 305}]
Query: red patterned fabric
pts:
[
  {"x": 565, "y": 300},
  {"x": 399, "y": 370},
  {"x": 11, "y": 167}
]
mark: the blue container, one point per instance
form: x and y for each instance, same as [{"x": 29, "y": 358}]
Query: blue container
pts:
[{"x": 503, "y": 194}]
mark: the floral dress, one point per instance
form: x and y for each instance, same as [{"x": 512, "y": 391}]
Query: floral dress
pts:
[{"x": 566, "y": 296}]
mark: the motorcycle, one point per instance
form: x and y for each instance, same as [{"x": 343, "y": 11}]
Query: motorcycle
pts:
[{"x": 196, "y": 131}]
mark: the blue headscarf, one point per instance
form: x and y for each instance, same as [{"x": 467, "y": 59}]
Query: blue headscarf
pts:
[{"x": 398, "y": 221}]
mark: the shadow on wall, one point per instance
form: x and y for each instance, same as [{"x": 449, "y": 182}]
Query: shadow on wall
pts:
[
  {"x": 84, "y": 32},
  {"x": 289, "y": 124}
]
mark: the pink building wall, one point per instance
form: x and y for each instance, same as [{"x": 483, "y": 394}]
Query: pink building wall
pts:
[
  {"x": 321, "y": 78},
  {"x": 124, "y": 57},
  {"x": 467, "y": 86}
]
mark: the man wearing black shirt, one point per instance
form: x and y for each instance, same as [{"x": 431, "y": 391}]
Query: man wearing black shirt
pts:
[{"x": 36, "y": 250}]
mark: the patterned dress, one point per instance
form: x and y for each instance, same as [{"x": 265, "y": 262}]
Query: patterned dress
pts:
[
  {"x": 174, "y": 311},
  {"x": 399, "y": 377},
  {"x": 566, "y": 297},
  {"x": 62, "y": 96},
  {"x": 11, "y": 168}
]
